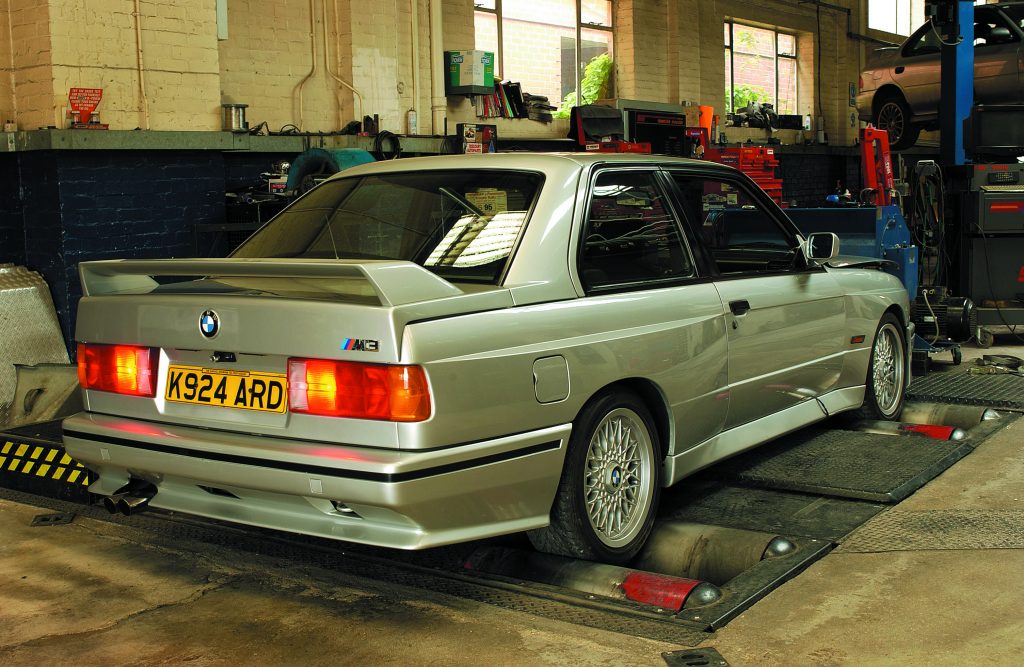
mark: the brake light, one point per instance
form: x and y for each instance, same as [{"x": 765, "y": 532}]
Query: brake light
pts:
[
  {"x": 121, "y": 369},
  {"x": 358, "y": 390}
]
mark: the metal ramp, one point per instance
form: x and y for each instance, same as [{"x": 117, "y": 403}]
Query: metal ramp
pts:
[
  {"x": 844, "y": 464},
  {"x": 1004, "y": 392}
]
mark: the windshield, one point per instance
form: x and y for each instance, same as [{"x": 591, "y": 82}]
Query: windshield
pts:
[{"x": 461, "y": 225}]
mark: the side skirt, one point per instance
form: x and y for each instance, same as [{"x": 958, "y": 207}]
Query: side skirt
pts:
[{"x": 751, "y": 434}]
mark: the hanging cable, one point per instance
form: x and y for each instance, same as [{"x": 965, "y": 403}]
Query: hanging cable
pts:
[
  {"x": 395, "y": 146},
  {"x": 927, "y": 221}
]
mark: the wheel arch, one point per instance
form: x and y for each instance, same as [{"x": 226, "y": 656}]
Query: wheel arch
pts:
[
  {"x": 653, "y": 398},
  {"x": 901, "y": 315},
  {"x": 886, "y": 91}
]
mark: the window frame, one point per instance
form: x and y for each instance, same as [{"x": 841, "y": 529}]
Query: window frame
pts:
[
  {"x": 499, "y": 56},
  {"x": 696, "y": 257},
  {"x": 754, "y": 193},
  {"x": 731, "y": 48},
  {"x": 999, "y": 20},
  {"x": 914, "y": 41},
  {"x": 499, "y": 276}
]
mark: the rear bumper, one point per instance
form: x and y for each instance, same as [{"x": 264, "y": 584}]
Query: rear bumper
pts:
[
  {"x": 865, "y": 100},
  {"x": 407, "y": 500}
]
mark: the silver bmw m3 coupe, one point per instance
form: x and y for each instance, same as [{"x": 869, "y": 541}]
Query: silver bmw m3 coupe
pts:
[{"x": 432, "y": 350}]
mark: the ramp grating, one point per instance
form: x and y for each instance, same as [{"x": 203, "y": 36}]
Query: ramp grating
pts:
[
  {"x": 994, "y": 391},
  {"x": 950, "y": 529},
  {"x": 767, "y": 510},
  {"x": 844, "y": 464}
]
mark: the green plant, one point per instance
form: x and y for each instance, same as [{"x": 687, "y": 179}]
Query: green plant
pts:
[
  {"x": 742, "y": 95},
  {"x": 593, "y": 86}
]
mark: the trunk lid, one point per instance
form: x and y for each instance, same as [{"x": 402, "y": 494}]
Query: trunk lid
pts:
[{"x": 266, "y": 311}]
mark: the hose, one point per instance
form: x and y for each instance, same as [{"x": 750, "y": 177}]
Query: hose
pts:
[
  {"x": 395, "y": 146},
  {"x": 928, "y": 220}
]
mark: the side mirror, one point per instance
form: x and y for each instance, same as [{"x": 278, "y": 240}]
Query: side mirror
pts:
[
  {"x": 999, "y": 35},
  {"x": 821, "y": 246}
]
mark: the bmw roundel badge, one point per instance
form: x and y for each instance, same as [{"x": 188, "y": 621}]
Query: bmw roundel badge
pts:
[{"x": 209, "y": 323}]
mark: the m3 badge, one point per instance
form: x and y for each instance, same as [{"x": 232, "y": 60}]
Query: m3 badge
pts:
[{"x": 360, "y": 345}]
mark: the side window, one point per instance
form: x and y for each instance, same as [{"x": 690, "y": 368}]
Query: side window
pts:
[
  {"x": 630, "y": 234},
  {"x": 925, "y": 43},
  {"x": 991, "y": 30},
  {"x": 740, "y": 233}
]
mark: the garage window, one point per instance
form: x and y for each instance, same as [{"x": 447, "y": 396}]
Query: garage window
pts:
[
  {"x": 760, "y": 66},
  {"x": 899, "y": 17},
  {"x": 535, "y": 43},
  {"x": 631, "y": 235}
]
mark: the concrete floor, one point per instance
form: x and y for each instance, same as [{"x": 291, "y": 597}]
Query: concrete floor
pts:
[{"x": 946, "y": 590}]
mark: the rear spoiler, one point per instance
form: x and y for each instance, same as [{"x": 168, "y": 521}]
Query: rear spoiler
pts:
[{"x": 396, "y": 282}]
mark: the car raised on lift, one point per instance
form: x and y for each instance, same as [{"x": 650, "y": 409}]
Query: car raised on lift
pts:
[
  {"x": 433, "y": 350},
  {"x": 899, "y": 91}
]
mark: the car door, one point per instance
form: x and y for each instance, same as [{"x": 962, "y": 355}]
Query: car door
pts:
[
  {"x": 916, "y": 70},
  {"x": 652, "y": 313},
  {"x": 996, "y": 59},
  {"x": 785, "y": 320}
]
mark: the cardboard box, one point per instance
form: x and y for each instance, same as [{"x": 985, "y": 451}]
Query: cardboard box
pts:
[
  {"x": 692, "y": 114},
  {"x": 469, "y": 72}
]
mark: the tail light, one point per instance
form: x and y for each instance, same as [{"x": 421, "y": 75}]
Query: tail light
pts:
[
  {"x": 121, "y": 369},
  {"x": 358, "y": 390}
]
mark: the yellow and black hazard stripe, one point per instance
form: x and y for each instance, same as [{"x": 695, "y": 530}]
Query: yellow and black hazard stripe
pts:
[{"x": 42, "y": 461}]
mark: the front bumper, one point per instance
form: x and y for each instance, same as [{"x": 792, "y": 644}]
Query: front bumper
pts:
[{"x": 383, "y": 497}]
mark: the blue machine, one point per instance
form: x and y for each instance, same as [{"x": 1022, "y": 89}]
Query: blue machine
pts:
[
  {"x": 317, "y": 164},
  {"x": 876, "y": 231}
]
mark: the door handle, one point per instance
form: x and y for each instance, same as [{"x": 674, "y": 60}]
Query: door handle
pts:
[
  {"x": 899, "y": 69},
  {"x": 739, "y": 307}
]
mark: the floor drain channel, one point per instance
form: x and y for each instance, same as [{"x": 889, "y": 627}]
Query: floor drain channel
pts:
[
  {"x": 697, "y": 657},
  {"x": 58, "y": 519}
]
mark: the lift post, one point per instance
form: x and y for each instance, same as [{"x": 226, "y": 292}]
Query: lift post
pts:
[{"x": 953, "y": 21}]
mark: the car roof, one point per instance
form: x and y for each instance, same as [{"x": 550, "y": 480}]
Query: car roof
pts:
[{"x": 543, "y": 162}]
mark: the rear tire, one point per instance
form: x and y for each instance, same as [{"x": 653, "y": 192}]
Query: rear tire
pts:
[
  {"x": 611, "y": 482},
  {"x": 887, "y": 372},
  {"x": 893, "y": 115}
]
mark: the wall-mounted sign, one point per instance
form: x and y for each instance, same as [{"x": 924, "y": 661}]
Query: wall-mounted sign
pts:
[
  {"x": 85, "y": 100},
  {"x": 83, "y": 103}
]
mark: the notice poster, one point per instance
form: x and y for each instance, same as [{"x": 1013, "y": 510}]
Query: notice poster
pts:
[{"x": 85, "y": 101}]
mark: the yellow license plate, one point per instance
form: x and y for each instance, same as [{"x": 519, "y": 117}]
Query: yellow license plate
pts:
[{"x": 246, "y": 390}]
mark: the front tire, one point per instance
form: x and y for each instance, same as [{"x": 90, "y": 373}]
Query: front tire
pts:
[
  {"x": 611, "y": 482},
  {"x": 887, "y": 372}
]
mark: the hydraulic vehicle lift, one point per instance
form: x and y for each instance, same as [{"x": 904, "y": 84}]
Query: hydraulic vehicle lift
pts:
[{"x": 985, "y": 183}]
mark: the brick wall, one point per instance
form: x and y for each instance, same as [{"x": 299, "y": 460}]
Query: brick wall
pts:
[
  {"x": 673, "y": 51},
  {"x": 105, "y": 205},
  {"x": 93, "y": 44},
  {"x": 29, "y": 72},
  {"x": 809, "y": 178},
  {"x": 665, "y": 51},
  {"x": 12, "y": 221},
  {"x": 267, "y": 55},
  {"x": 6, "y": 63}
]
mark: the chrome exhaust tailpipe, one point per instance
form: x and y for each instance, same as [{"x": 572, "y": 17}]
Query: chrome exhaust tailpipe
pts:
[
  {"x": 133, "y": 504},
  {"x": 110, "y": 503}
]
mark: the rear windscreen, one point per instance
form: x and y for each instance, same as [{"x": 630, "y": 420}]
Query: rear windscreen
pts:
[{"x": 462, "y": 225}]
